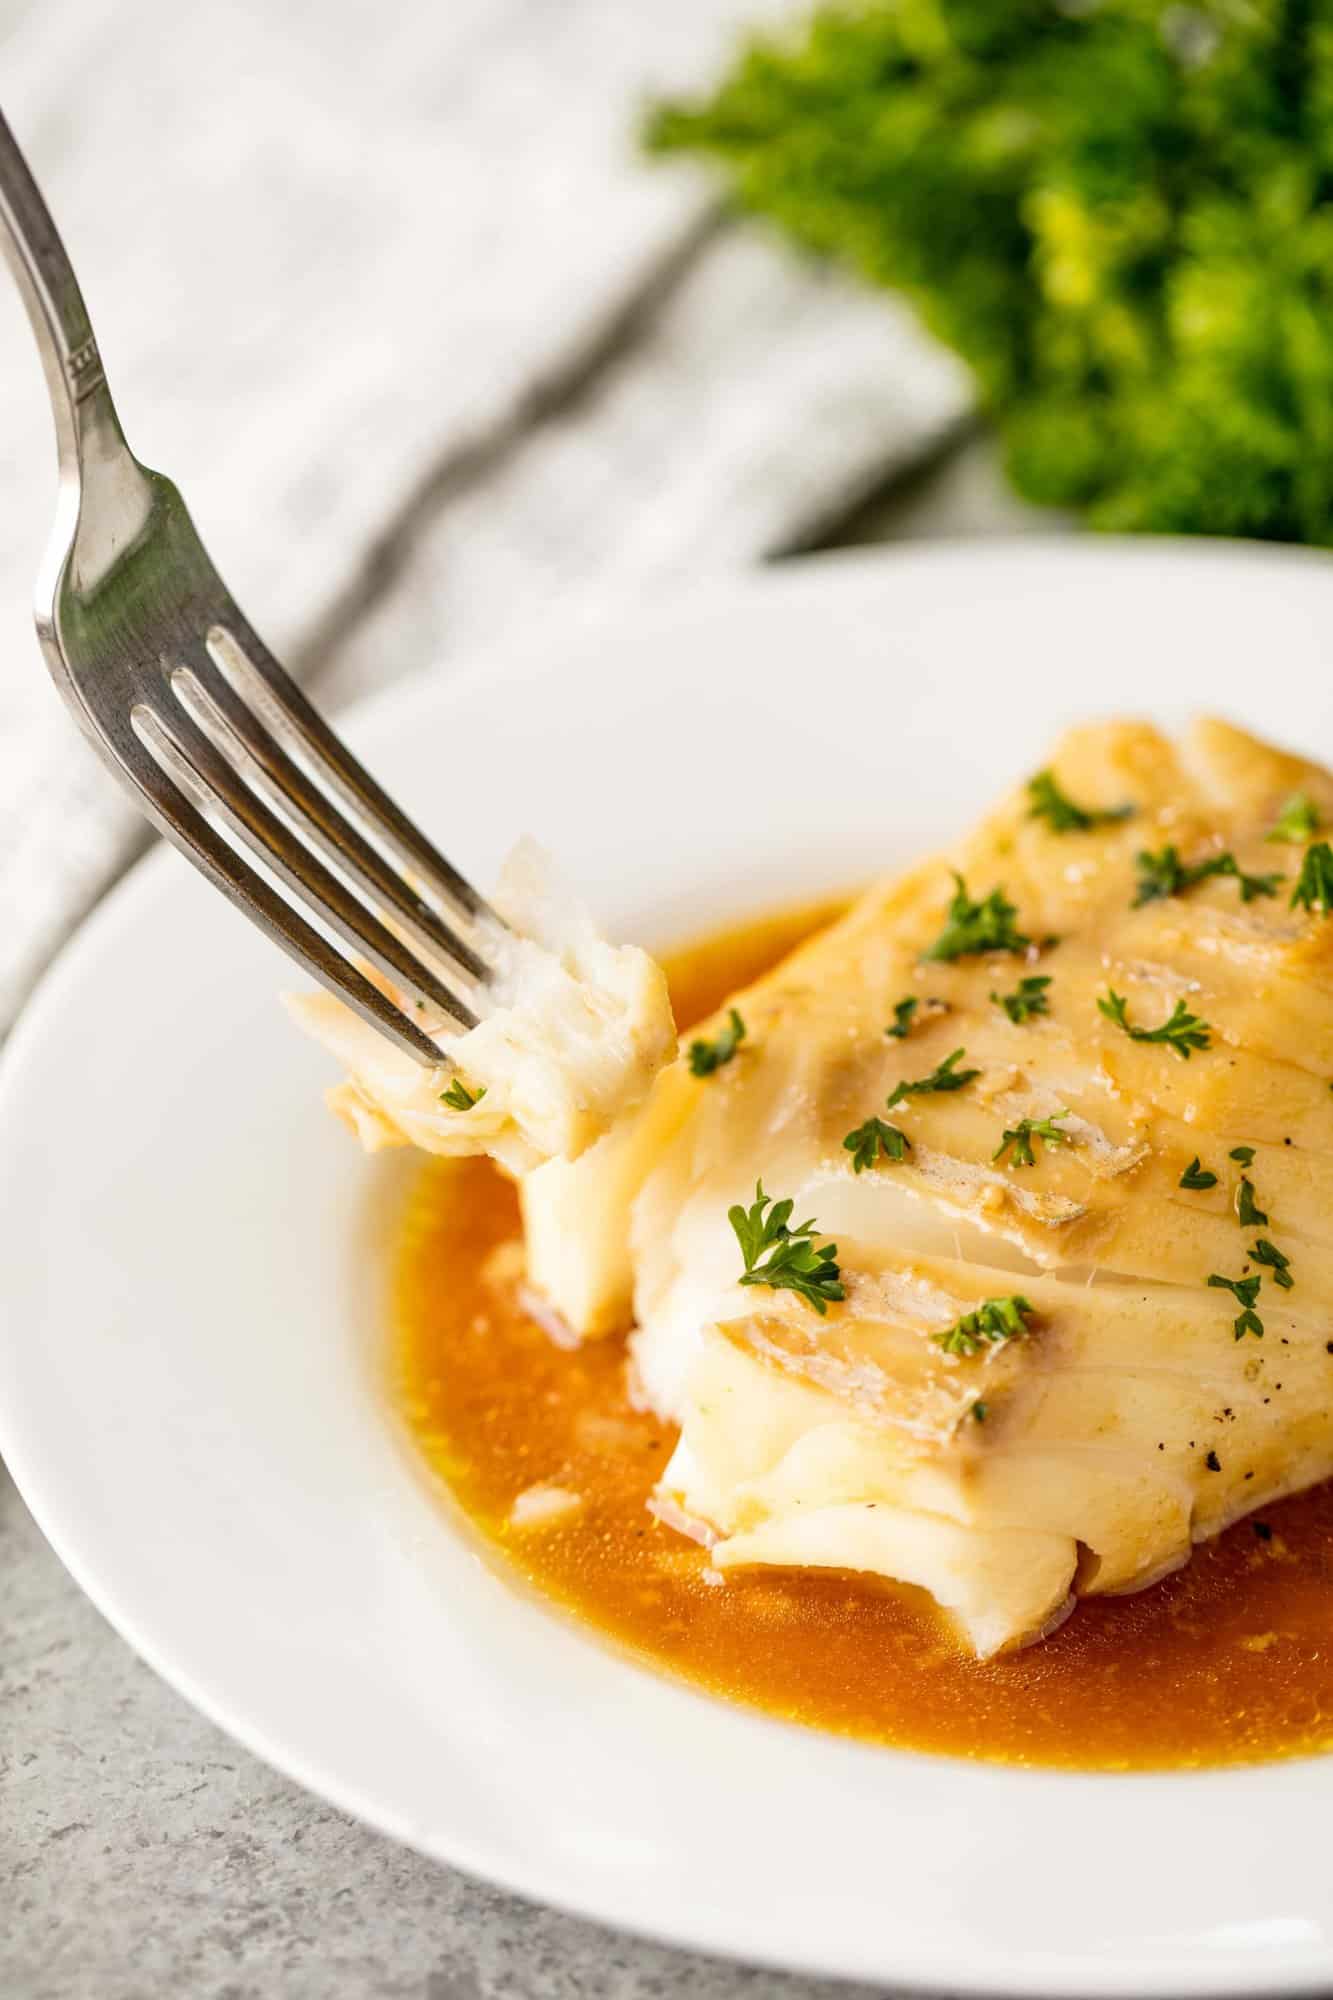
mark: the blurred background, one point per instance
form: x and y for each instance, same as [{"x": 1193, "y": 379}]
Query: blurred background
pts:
[
  {"x": 454, "y": 320},
  {"x": 432, "y": 347},
  {"x": 451, "y": 320}
]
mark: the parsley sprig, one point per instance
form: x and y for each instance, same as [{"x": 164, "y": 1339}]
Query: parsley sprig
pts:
[
  {"x": 992, "y": 1323},
  {"x": 945, "y": 1076},
  {"x": 1028, "y": 998},
  {"x": 1047, "y": 801},
  {"x": 1251, "y": 886},
  {"x": 902, "y": 1018},
  {"x": 1184, "y": 1032},
  {"x": 792, "y": 1263},
  {"x": 1245, "y": 1291},
  {"x": 1020, "y": 1137},
  {"x": 1268, "y": 1254},
  {"x": 459, "y": 1098},
  {"x": 1297, "y": 822},
  {"x": 705, "y": 1057},
  {"x": 1138, "y": 150},
  {"x": 974, "y": 928},
  {"x": 1164, "y": 874},
  {"x": 1248, "y": 1212},
  {"x": 1314, "y": 885},
  {"x": 1197, "y": 1176},
  {"x": 874, "y": 1141}
]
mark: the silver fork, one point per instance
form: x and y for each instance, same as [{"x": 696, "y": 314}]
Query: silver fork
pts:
[{"x": 193, "y": 714}]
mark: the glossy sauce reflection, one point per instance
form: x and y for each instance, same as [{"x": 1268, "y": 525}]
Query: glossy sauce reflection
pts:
[{"x": 1229, "y": 1661}]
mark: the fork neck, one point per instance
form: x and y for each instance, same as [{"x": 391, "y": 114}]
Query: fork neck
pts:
[{"x": 87, "y": 427}]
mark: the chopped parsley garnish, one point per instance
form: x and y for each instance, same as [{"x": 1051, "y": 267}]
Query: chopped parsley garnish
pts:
[
  {"x": 1196, "y": 1176},
  {"x": 974, "y": 928},
  {"x": 459, "y": 1098},
  {"x": 875, "y": 1140},
  {"x": 1213, "y": 1462},
  {"x": 1164, "y": 874},
  {"x": 705, "y": 1057},
  {"x": 1048, "y": 802},
  {"x": 1297, "y": 822},
  {"x": 943, "y": 1077},
  {"x": 792, "y": 1262},
  {"x": 1243, "y": 1155},
  {"x": 1248, "y": 1212},
  {"x": 1269, "y": 1255},
  {"x": 1246, "y": 1291},
  {"x": 979, "y": 1411},
  {"x": 1184, "y": 1032},
  {"x": 1029, "y": 998},
  {"x": 1314, "y": 885},
  {"x": 992, "y": 1323},
  {"x": 1252, "y": 885},
  {"x": 1159, "y": 875},
  {"x": 902, "y": 1018},
  {"x": 1020, "y": 1137}
]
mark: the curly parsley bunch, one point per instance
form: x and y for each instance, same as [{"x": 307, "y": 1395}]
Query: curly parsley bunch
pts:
[{"x": 1118, "y": 212}]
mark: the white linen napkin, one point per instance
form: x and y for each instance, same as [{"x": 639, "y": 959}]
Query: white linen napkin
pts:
[{"x": 426, "y": 346}]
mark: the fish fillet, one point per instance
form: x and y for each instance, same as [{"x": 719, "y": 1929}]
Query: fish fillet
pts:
[
  {"x": 573, "y": 1031},
  {"x": 1135, "y": 1412}
]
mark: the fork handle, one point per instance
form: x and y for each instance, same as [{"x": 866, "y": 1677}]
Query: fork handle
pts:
[{"x": 80, "y": 400}]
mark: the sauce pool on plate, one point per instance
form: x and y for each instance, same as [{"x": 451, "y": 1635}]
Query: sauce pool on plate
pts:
[{"x": 1229, "y": 1661}]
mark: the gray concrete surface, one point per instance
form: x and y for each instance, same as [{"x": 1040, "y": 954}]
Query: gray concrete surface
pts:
[{"x": 143, "y": 1854}]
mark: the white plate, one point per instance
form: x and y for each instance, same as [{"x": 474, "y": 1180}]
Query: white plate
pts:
[{"x": 191, "y": 1303}]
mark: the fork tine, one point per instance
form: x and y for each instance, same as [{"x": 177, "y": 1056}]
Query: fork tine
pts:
[
  {"x": 127, "y": 590},
  {"x": 205, "y": 772},
  {"x": 321, "y": 823},
  {"x": 242, "y": 647},
  {"x": 180, "y": 821}
]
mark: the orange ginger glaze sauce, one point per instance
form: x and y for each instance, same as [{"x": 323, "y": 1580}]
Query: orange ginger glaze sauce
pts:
[{"x": 1229, "y": 1661}]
